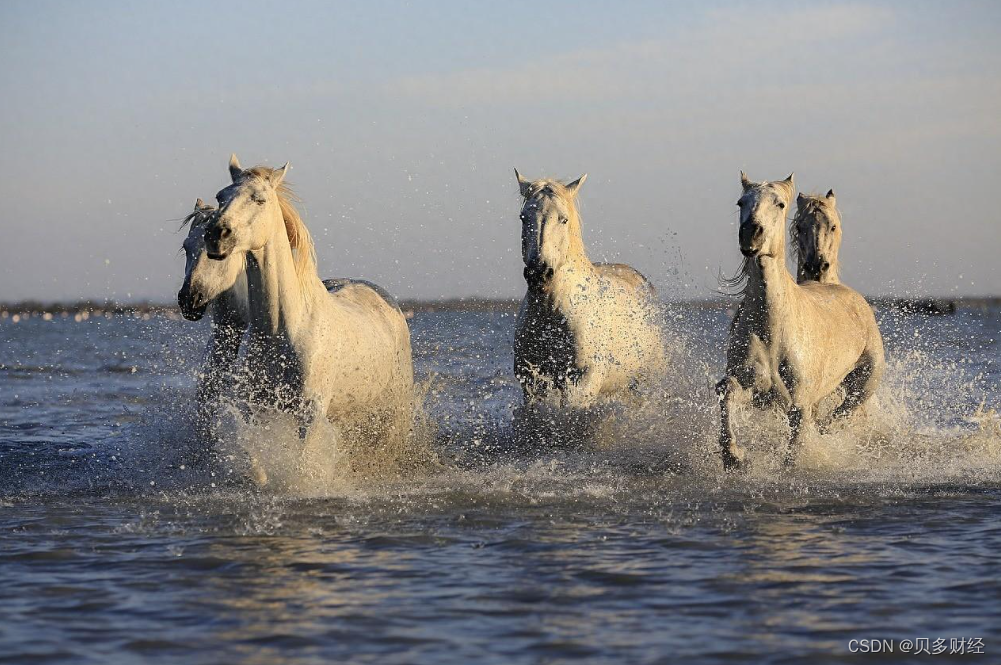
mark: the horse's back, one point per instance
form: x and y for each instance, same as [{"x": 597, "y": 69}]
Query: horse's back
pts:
[
  {"x": 338, "y": 283},
  {"x": 824, "y": 296},
  {"x": 627, "y": 275},
  {"x": 844, "y": 312},
  {"x": 372, "y": 324},
  {"x": 371, "y": 307}
]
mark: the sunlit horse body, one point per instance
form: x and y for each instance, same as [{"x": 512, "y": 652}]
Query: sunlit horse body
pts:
[
  {"x": 220, "y": 288},
  {"x": 584, "y": 330},
  {"x": 815, "y": 237},
  {"x": 792, "y": 344},
  {"x": 343, "y": 355}
]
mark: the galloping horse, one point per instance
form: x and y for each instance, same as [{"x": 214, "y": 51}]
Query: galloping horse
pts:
[
  {"x": 343, "y": 355},
  {"x": 219, "y": 287},
  {"x": 792, "y": 343},
  {"x": 815, "y": 235},
  {"x": 584, "y": 330}
]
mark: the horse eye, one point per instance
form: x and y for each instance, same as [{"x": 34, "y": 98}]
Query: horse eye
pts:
[
  {"x": 563, "y": 220},
  {"x": 834, "y": 227},
  {"x": 258, "y": 200},
  {"x": 782, "y": 205},
  {"x": 740, "y": 204}
]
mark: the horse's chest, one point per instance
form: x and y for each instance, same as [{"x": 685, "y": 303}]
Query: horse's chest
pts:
[
  {"x": 276, "y": 372},
  {"x": 754, "y": 362},
  {"x": 545, "y": 347}
]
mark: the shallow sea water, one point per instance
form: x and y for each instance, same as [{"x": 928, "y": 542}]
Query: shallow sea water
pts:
[{"x": 633, "y": 548}]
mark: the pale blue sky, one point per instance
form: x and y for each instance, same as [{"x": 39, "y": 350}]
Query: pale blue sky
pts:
[{"x": 403, "y": 121}]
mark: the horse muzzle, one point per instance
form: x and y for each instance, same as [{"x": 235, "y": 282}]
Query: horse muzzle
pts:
[
  {"x": 750, "y": 239},
  {"x": 219, "y": 241},
  {"x": 537, "y": 275},
  {"x": 816, "y": 269},
  {"x": 192, "y": 306}
]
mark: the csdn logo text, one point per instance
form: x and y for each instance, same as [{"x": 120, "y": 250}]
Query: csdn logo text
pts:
[{"x": 870, "y": 646}]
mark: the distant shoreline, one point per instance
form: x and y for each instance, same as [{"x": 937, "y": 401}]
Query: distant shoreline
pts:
[{"x": 85, "y": 309}]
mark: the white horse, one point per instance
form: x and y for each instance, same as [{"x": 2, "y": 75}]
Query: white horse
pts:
[
  {"x": 815, "y": 237},
  {"x": 791, "y": 343},
  {"x": 584, "y": 330},
  {"x": 343, "y": 355},
  {"x": 221, "y": 288}
]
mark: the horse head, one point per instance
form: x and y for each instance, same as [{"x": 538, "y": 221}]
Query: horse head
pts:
[
  {"x": 204, "y": 279},
  {"x": 550, "y": 225},
  {"x": 816, "y": 235},
  {"x": 763, "y": 207}
]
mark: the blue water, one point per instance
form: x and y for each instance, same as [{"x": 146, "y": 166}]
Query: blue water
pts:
[{"x": 636, "y": 548}]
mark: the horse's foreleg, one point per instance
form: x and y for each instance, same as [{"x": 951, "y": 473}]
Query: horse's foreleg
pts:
[
  {"x": 795, "y": 415},
  {"x": 223, "y": 348},
  {"x": 733, "y": 455},
  {"x": 307, "y": 416}
]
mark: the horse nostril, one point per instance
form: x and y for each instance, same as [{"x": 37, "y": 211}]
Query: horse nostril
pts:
[
  {"x": 757, "y": 232},
  {"x": 825, "y": 265},
  {"x": 224, "y": 232}
]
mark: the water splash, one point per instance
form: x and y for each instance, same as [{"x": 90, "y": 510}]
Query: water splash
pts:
[{"x": 934, "y": 420}]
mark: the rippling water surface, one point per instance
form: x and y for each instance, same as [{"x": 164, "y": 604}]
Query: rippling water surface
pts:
[{"x": 634, "y": 547}]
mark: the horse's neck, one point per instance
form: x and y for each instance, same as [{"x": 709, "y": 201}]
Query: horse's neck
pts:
[
  {"x": 278, "y": 301},
  {"x": 227, "y": 316},
  {"x": 771, "y": 290},
  {"x": 572, "y": 278},
  {"x": 231, "y": 309}
]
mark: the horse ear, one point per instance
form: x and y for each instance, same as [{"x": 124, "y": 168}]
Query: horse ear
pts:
[
  {"x": 800, "y": 199},
  {"x": 278, "y": 175},
  {"x": 234, "y": 167},
  {"x": 830, "y": 197},
  {"x": 789, "y": 184},
  {"x": 199, "y": 204},
  {"x": 575, "y": 185},
  {"x": 744, "y": 181},
  {"x": 523, "y": 184}
]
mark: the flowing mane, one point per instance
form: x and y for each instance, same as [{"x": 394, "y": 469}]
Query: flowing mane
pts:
[
  {"x": 200, "y": 216},
  {"x": 299, "y": 238},
  {"x": 736, "y": 284}
]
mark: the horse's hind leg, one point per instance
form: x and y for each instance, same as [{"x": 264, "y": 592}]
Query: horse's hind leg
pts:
[
  {"x": 859, "y": 385},
  {"x": 733, "y": 455}
]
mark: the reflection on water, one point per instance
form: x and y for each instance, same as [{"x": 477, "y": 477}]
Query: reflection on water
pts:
[{"x": 633, "y": 549}]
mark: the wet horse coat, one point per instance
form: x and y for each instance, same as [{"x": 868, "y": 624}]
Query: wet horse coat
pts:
[
  {"x": 584, "y": 330},
  {"x": 343, "y": 355},
  {"x": 792, "y": 344}
]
